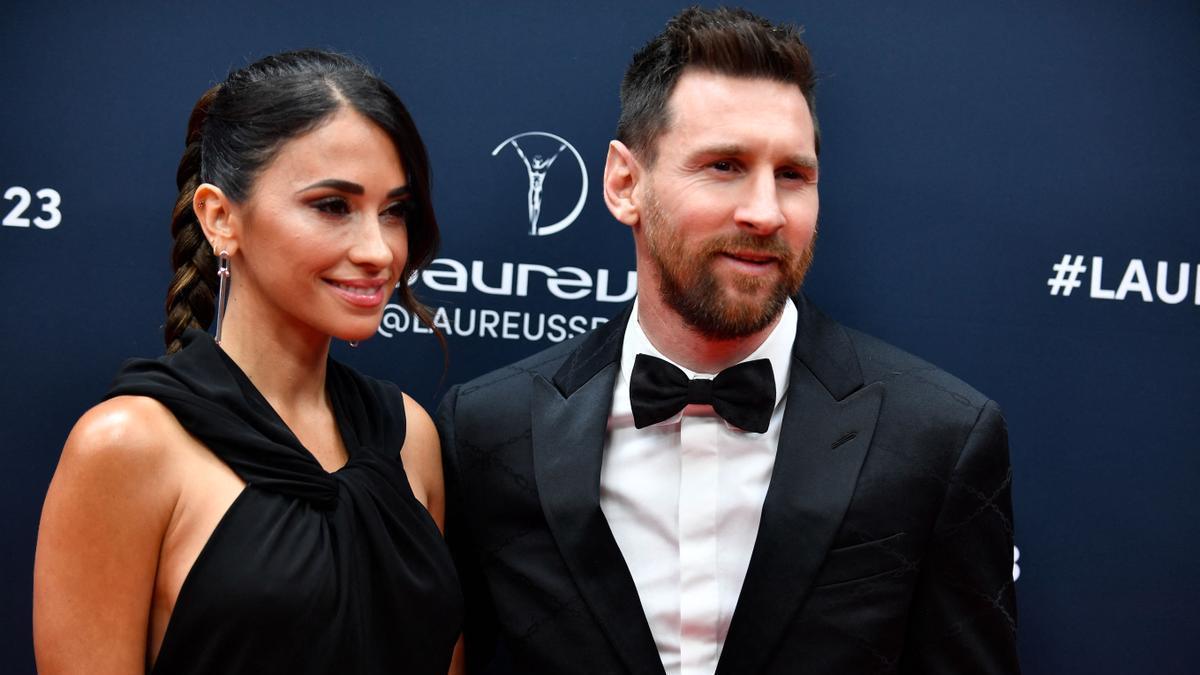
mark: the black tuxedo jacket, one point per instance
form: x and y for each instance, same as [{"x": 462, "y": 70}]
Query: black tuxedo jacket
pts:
[{"x": 886, "y": 541}]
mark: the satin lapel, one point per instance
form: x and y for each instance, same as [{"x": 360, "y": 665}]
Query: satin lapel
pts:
[
  {"x": 568, "y": 430},
  {"x": 825, "y": 437}
]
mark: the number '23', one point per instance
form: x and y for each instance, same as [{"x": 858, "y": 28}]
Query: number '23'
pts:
[{"x": 50, "y": 201}]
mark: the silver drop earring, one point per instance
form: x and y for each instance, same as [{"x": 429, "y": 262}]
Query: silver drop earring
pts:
[
  {"x": 353, "y": 343},
  {"x": 222, "y": 291}
]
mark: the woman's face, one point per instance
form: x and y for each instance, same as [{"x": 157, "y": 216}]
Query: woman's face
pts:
[{"x": 322, "y": 238}]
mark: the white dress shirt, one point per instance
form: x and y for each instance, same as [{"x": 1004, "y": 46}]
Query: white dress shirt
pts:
[{"x": 683, "y": 499}]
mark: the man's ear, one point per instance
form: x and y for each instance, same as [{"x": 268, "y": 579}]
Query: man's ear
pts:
[
  {"x": 214, "y": 211},
  {"x": 621, "y": 174}
]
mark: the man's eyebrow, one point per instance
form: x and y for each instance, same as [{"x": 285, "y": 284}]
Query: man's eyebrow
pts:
[
  {"x": 804, "y": 161},
  {"x": 336, "y": 184},
  {"x": 733, "y": 150}
]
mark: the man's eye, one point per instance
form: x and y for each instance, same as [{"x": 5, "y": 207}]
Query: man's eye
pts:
[
  {"x": 797, "y": 175},
  {"x": 332, "y": 205},
  {"x": 723, "y": 165}
]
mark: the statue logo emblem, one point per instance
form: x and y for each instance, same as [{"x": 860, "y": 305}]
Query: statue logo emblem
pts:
[{"x": 538, "y": 165}]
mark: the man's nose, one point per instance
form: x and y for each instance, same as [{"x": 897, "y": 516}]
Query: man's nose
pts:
[{"x": 760, "y": 209}]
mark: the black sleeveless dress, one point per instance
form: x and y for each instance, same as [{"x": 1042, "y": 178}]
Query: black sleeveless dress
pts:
[{"x": 308, "y": 571}]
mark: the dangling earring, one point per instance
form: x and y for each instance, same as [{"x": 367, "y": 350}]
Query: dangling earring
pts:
[
  {"x": 222, "y": 291},
  {"x": 353, "y": 343}
]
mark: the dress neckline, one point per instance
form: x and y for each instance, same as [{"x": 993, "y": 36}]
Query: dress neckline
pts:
[{"x": 337, "y": 406}]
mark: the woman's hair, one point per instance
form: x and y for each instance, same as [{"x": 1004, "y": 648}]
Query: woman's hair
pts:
[{"x": 239, "y": 125}]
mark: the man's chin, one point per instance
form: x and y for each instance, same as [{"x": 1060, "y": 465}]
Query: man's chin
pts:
[{"x": 737, "y": 317}]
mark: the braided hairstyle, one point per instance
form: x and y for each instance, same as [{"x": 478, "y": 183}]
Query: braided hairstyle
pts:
[
  {"x": 190, "y": 297},
  {"x": 238, "y": 126}
]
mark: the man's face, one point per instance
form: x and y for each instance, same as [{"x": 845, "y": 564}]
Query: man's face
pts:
[{"x": 728, "y": 211}]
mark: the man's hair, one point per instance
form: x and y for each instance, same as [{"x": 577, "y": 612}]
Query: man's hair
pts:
[{"x": 725, "y": 41}]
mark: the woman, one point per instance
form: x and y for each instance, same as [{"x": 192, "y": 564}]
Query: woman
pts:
[{"x": 248, "y": 505}]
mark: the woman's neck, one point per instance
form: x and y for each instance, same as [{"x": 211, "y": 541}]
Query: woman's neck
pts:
[{"x": 285, "y": 362}]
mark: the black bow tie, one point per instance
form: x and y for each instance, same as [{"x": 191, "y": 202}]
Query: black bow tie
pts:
[{"x": 744, "y": 395}]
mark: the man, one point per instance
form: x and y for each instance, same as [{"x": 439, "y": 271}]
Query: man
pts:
[{"x": 825, "y": 504}]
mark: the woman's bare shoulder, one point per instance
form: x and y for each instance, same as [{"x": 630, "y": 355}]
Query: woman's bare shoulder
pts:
[
  {"x": 420, "y": 433},
  {"x": 124, "y": 433},
  {"x": 422, "y": 457},
  {"x": 103, "y": 522}
]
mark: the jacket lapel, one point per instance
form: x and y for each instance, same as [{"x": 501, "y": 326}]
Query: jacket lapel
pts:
[
  {"x": 569, "y": 421},
  {"x": 827, "y": 429}
]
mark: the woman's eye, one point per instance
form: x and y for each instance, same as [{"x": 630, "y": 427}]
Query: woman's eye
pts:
[
  {"x": 400, "y": 210},
  {"x": 332, "y": 205}
]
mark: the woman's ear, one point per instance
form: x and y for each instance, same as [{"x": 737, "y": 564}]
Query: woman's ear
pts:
[
  {"x": 621, "y": 174},
  {"x": 214, "y": 211}
]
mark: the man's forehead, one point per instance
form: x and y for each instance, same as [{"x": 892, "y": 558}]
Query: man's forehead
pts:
[{"x": 705, "y": 104}]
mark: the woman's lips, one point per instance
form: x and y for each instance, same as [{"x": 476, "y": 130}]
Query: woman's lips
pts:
[{"x": 360, "y": 292}]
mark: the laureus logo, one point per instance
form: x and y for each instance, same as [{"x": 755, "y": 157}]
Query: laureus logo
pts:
[{"x": 538, "y": 151}]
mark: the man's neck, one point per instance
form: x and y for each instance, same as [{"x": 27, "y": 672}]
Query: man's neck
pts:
[{"x": 684, "y": 345}]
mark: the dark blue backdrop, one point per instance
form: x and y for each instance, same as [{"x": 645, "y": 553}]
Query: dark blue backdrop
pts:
[{"x": 966, "y": 150}]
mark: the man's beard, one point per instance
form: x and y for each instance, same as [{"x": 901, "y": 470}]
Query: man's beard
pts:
[{"x": 689, "y": 287}]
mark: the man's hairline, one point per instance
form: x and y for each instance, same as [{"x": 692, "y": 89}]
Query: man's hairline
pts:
[{"x": 649, "y": 155}]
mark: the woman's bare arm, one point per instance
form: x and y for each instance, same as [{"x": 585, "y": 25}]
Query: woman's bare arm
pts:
[
  {"x": 422, "y": 457},
  {"x": 102, "y": 526}
]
